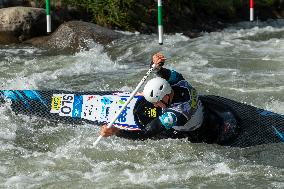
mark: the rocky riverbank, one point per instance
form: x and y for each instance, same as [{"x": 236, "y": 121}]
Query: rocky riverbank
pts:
[
  {"x": 21, "y": 23},
  {"x": 28, "y": 24}
]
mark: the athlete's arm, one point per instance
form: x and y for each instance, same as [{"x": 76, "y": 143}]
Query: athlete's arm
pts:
[
  {"x": 171, "y": 76},
  {"x": 163, "y": 123},
  {"x": 150, "y": 131}
]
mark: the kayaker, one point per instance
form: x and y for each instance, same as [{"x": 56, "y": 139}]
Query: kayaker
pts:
[{"x": 183, "y": 113}]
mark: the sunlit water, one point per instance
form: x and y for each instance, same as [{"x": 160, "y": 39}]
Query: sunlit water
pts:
[{"x": 244, "y": 62}]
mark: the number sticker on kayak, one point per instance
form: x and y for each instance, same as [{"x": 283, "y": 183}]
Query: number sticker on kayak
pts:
[{"x": 62, "y": 104}]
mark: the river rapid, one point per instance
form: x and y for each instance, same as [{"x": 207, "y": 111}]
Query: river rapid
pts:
[{"x": 244, "y": 62}]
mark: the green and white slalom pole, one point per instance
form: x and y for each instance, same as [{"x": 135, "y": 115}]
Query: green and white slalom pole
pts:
[
  {"x": 160, "y": 22},
  {"x": 48, "y": 17}
]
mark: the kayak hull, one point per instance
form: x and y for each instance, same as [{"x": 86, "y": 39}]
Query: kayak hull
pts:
[{"x": 255, "y": 126}]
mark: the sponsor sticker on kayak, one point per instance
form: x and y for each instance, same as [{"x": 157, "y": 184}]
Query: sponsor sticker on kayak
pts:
[
  {"x": 100, "y": 108},
  {"x": 56, "y": 103},
  {"x": 62, "y": 104}
]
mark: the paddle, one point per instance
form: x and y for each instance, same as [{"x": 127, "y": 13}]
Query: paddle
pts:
[{"x": 127, "y": 102}]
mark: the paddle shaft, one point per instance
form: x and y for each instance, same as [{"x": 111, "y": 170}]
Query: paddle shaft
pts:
[{"x": 126, "y": 103}]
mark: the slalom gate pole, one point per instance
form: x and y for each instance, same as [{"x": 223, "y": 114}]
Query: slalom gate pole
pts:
[
  {"x": 48, "y": 18},
  {"x": 127, "y": 102},
  {"x": 251, "y": 6},
  {"x": 160, "y": 22}
]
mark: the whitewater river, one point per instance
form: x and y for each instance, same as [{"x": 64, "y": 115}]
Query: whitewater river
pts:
[{"x": 244, "y": 62}]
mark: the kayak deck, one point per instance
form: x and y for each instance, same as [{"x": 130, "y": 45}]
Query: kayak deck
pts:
[{"x": 255, "y": 126}]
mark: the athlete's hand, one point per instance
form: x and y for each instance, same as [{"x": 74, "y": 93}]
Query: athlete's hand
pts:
[
  {"x": 158, "y": 59},
  {"x": 106, "y": 132},
  {"x": 139, "y": 94}
]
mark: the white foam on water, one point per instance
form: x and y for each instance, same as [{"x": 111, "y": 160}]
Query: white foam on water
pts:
[
  {"x": 231, "y": 60},
  {"x": 7, "y": 128},
  {"x": 38, "y": 71},
  {"x": 18, "y": 50},
  {"x": 17, "y": 181},
  {"x": 256, "y": 90},
  {"x": 275, "y": 106},
  {"x": 221, "y": 168},
  {"x": 277, "y": 184}
]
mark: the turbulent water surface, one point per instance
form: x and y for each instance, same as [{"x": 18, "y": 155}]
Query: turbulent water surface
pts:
[{"x": 244, "y": 62}]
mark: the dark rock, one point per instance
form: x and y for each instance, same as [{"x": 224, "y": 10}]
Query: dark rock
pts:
[
  {"x": 76, "y": 35},
  {"x": 192, "y": 34},
  {"x": 21, "y": 23}
]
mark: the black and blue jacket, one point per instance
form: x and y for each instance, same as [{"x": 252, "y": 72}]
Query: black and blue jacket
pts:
[{"x": 179, "y": 118}]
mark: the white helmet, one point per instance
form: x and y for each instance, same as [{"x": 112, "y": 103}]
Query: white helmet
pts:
[{"x": 156, "y": 89}]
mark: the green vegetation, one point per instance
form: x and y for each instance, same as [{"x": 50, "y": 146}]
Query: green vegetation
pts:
[
  {"x": 110, "y": 13},
  {"x": 141, "y": 15}
]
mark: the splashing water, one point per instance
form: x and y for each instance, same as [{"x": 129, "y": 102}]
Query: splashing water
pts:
[{"x": 242, "y": 62}]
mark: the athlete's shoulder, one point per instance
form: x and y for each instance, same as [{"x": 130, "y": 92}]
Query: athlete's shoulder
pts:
[
  {"x": 175, "y": 77},
  {"x": 172, "y": 76},
  {"x": 168, "y": 119}
]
